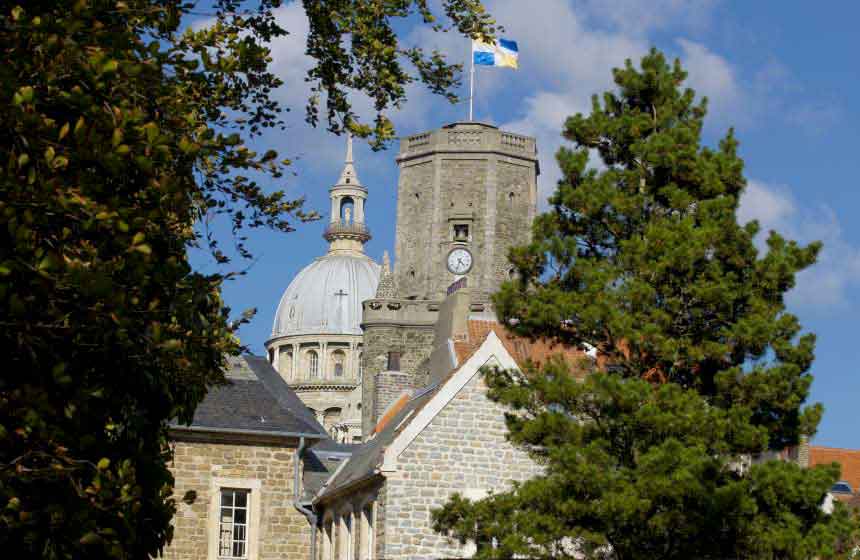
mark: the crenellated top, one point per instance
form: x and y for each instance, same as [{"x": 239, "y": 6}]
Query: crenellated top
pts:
[{"x": 465, "y": 137}]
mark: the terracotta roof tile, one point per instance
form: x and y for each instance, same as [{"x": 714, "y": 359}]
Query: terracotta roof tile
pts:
[
  {"x": 392, "y": 411},
  {"x": 849, "y": 459},
  {"x": 522, "y": 349}
]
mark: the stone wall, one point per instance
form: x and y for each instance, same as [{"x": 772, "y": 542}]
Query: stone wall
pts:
[
  {"x": 514, "y": 215},
  {"x": 283, "y": 531},
  {"x": 413, "y": 230},
  {"x": 415, "y": 343},
  {"x": 462, "y": 450}
]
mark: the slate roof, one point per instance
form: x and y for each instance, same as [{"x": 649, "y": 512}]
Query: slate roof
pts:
[
  {"x": 320, "y": 462},
  {"x": 255, "y": 399}
]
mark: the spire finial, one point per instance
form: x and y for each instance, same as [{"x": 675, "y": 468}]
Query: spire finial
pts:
[
  {"x": 386, "y": 262},
  {"x": 348, "y": 176}
]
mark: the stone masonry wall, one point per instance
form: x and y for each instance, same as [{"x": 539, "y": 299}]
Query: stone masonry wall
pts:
[
  {"x": 462, "y": 450},
  {"x": 413, "y": 230},
  {"x": 414, "y": 344},
  {"x": 283, "y": 531},
  {"x": 514, "y": 216}
]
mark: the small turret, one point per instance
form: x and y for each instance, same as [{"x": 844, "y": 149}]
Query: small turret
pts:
[
  {"x": 385, "y": 289},
  {"x": 346, "y": 231}
]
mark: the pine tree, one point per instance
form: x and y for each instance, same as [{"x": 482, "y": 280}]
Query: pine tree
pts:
[{"x": 703, "y": 374}]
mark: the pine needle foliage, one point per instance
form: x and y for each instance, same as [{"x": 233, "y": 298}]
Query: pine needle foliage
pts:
[{"x": 702, "y": 375}]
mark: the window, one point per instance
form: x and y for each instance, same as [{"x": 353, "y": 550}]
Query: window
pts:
[
  {"x": 313, "y": 364},
  {"x": 461, "y": 232},
  {"x": 338, "y": 358},
  {"x": 233, "y": 519},
  {"x": 331, "y": 417},
  {"x": 393, "y": 361},
  {"x": 360, "y": 365},
  {"x": 233, "y": 523},
  {"x": 347, "y": 207}
]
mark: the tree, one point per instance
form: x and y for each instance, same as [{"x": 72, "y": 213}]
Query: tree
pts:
[
  {"x": 661, "y": 452},
  {"x": 122, "y": 129}
]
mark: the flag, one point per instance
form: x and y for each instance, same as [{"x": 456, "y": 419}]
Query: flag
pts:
[{"x": 501, "y": 53}]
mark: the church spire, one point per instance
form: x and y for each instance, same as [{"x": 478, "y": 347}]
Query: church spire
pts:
[
  {"x": 346, "y": 231},
  {"x": 348, "y": 176}
]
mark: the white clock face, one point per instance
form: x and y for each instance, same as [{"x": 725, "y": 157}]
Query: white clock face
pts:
[{"x": 459, "y": 261}]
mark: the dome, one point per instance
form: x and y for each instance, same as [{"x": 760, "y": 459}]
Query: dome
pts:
[{"x": 325, "y": 297}]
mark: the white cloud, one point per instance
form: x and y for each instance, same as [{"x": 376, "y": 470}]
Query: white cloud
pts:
[
  {"x": 637, "y": 17},
  {"x": 825, "y": 285},
  {"x": 711, "y": 75}
]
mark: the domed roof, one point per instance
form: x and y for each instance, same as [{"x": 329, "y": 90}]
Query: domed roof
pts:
[{"x": 325, "y": 297}]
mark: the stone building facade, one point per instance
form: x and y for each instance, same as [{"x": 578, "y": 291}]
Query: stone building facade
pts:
[
  {"x": 236, "y": 467},
  {"x": 204, "y": 466},
  {"x": 444, "y": 438}
]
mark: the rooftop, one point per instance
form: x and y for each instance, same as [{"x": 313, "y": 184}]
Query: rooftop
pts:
[{"x": 849, "y": 459}]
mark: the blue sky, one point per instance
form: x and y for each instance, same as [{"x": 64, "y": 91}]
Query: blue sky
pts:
[{"x": 784, "y": 74}]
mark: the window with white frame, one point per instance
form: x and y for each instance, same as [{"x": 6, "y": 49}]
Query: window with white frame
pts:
[
  {"x": 233, "y": 523},
  {"x": 233, "y": 519}
]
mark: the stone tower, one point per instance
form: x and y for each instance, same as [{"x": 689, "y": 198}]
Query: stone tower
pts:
[
  {"x": 467, "y": 192},
  {"x": 466, "y": 185}
]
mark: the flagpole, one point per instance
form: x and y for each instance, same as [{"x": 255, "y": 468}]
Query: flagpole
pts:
[{"x": 471, "y": 79}]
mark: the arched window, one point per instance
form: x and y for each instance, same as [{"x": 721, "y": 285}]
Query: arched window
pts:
[
  {"x": 360, "y": 365},
  {"x": 338, "y": 360},
  {"x": 313, "y": 364},
  {"x": 347, "y": 210}
]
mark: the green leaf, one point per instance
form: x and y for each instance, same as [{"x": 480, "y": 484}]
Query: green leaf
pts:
[{"x": 91, "y": 538}]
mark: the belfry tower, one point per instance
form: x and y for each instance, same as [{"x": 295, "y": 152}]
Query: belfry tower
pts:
[{"x": 467, "y": 193}]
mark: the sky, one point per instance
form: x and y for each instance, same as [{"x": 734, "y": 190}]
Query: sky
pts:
[{"x": 783, "y": 74}]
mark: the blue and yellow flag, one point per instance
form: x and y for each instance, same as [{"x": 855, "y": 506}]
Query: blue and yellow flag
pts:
[{"x": 501, "y": 53}]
